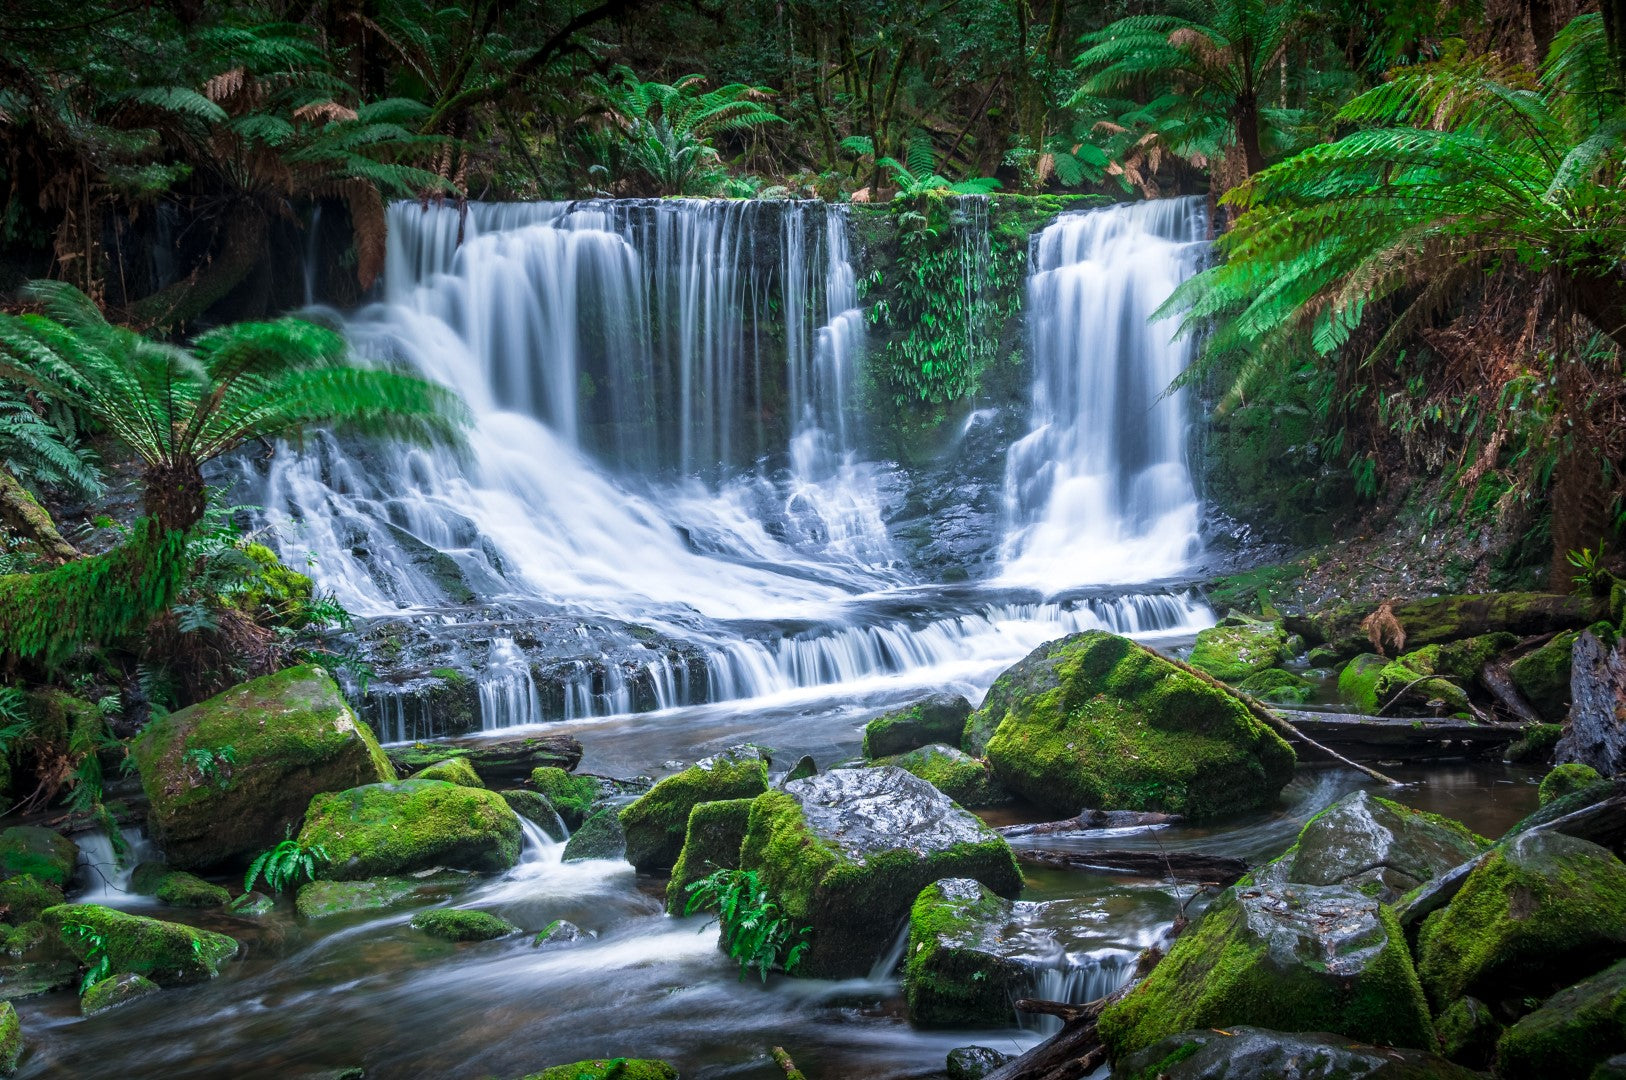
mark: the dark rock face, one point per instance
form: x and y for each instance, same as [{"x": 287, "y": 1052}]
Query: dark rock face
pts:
[
  {"x": 974, "y": 1062},
  {"x": 1595, "y": 733},
  {"x": 1250, "y": 1053},
  {"x": 1574, "y": 1030},
  {"x": 938, "y": 719},
  {"x": 870, "y": 811},
  {"x": 600, "y": 837}
]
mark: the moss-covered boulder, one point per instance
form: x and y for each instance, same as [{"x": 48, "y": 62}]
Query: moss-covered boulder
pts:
[
  {"x": 499, "y": 762},
  {"x": 1543, "y": 676},
  {"x": 46, "y": 855},
  {"x": 1566, "y": 780},
  {"x": 228, "y": 777},
  {"x": 534, "y": 807},
  {"x": 1232, "y": 653},
  {"x": 1371, "y": 683},
  {"x": 1538, "y": 913},
  {"x": 395, "y": 828},
  {"x": 847, "y": 852},
  {"x": 558, "y": 933},
  {"x": 1467, "y": 1032},
  {"x": 1287, "y": 957},
  {"x": 1462, "y": 660},
  {"x": 1535, "y": 745},
  {"x": 1563, "y": 805},
  {"x": 938, "y": 719},
  {"x": 462, "y": 924},
  {"x": 113, "y": 991},
  {"x": 572, "y": 796},
  {"x": 328, "y": 899},
  {"x": 1574, "y": 1031},
  {"x": 24, "y": 896},
  {"x": 711, "y": 842},
  {"x": 955, "y": 972},
  {"x": 11, "y": 1039},
  {"x": 1358, "y": 681},
  {"x": 1278, "y": 687},
  {"x": 453, "y": 771},
  {"x": 955, "y": 773},
  {"x": 609, "y": 1069},
  {"x": 169, "y": 954},
  {"x": 600, "y": 837},
  {"x": 655, "y": 823},
  {"x": 177, "y": 888},
  {"x": 1096, "y": 720},
  {"x": 1242, "y": 1052},
  {"x": 974, "y": 1062}
]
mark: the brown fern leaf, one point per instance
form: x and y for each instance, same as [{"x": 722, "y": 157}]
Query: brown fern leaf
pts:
[
  {"x": 1381, "y": 626},
  {"x": 225, "y": 85},
  {"x": 371, "y": 227},
  {"x": 324, "y": 112}
]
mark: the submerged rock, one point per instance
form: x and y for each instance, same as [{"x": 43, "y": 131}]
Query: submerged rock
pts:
[
  {"x": 655, "y": 823},
  {"x": 411, "y": 825},
  {"x": 326, "y": 899},
  {"x": 712, "y": 842},
  {"x": 938, "y": 719},
  {"x": 113, "y": 991},
  {"x": 600, "y": 837},
  {"x": 1096, "y": 720},
  {"x": 612, "y": 1069},
  {"x": 461, "y": 924},
  {"x": 454, "y": 771},
  {"x": 1233, "y": 653},
  {"x": 48, "y": 856},
  {"x": 846, "y": 853},
  {"x": 33, "y": 977},
  {"x": 1575, "y": 1030},
  {"x": 558, "y": 932},
  {"x": 958, "y": 775},
  {"x": 1288, "y": 957},
  {"x": 252, "y": 905},
  {"x": 1241, "y": 1052},
  {"x": 169, "y": 954},
  {"x": 974, "y": 1062},
  {"x": 228, "y": 777}
]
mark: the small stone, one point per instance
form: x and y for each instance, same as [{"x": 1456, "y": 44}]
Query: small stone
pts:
[
  {"x": 458, "y": 924},
  {"x": 974, "y": 1062},
  {"x": 558, "y": 932},
  {"x": 113, "y": 991},
  {"x": 252, "y": 905}
]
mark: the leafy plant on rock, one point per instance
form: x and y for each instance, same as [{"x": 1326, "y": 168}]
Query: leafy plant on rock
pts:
[
  {"x": 285, "y": 865},
  {"x": 758, "y": 933}
]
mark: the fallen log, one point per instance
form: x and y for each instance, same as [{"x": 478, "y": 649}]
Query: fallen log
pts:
[
  {"x": 1180, "y": 865},
  {"x": 1057, "y": 1008},
  {"x": 500, "y": 762},
  {"x": 1091, "y": 821},
  {"x": 1494, "y": 677},
  {"x": 1392, "y": 737}
]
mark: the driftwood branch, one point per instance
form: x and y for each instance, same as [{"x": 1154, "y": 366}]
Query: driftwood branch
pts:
[
  {"x": 1189, "y": 866},
  {"x": 784, "y": 1061},
  {"x": 1495, "y": 678},
  {"x": 1092, "y": 821}
]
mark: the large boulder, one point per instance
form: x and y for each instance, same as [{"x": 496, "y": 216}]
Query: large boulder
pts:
[
  {"x": 1595, "y": 733},
  {"x": 954, "y": 772},
  {"x": 711, "y": 842},
  {"x": 1574, "y": 1031},
  {"x": 655, "y": 823},
  {"x": 600, "y": 837},
  {"x": 230, "y": 776},
  {"x": 1240, "y": 1052},
  {"x": 169, "y": 954},
  {"x": 47, "y": 856},
  {"x": 1233, "y": 653},
  {"x": 1096, "y": 720},
  {"x": 938, "y": 719},
  {"x": 847, "y": 852},
  {"x": 1537, "y": 913},
  {"x": 409, "y": 825},
  {"x": 1288, "y": 957},
  {"x": 1543, "y": 676}
]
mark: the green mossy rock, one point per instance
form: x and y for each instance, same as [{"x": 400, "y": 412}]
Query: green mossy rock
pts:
[
  {"x": 600, "y": 837},
  {"x": 1370, "y": 682},
  {"x": 1543, "y": 676},
  {"x": 411, "y": 825},
  {"x": 1541, "y": 911},
  {"x": 453, "y": 771},
  {"x": 955, "y": 773},
  {"x": 805, "y": 767},
  {"x": 1096, "y": 720},
  {"x": 609, "y": 1069},
  {"x": 292, "y": 736},
  {"x": 48, "y": 856},
  {"x": 31, "y": 978},
  {"x": 252, "y": 905},
  {"x": 1288, "y": 957},
  {"x": 169, "y": 954},
  {"x": 655, "y": 823},
  {"x": 938, "y": 719},
  {"x": 847, "y": 852},
  {"x": 460, "y": 924},
  {"x": 177, "y": 888},
  {"x": 1567, "y": 780},
  {"x": 22, "y": 939},
  {"x": 113, "y": 991},
  {"x": 974, "y": 1062},
  {"x": 1536, "y": 745},
  {"x": 950, "y": 975},
  {"x": 24, "y": 896},
  {"x": 1467, "y": 1033},
  {"x": 1358, "y": 681},
  {"x": 327, "y": 899},
  {"x": 1564, "y": 805},
  {"x": 1575, "y": 1030},
  {"x": 572, "y": 796},
  {"x": 1615, "y": 1067},
  {"x": 1278, "y": 687},
  {"x": 559, "y": 932},
  {"x": 534, "y": 807},
  {"x": 1240, "y": 1052},
  {"x": 1232, "y": 653},
  {"x": 499, "y": 762},
  {"x": 1461, "y": 660},
  {"x": 11, "y": 1039},
  {"x": 711, "y": 842}
]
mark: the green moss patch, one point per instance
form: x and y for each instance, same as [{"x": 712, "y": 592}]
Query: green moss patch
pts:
[
  {"x": 460, "y": 924},
  {"x": 1232, "y": 653},
  {"x": 955, "y": 773},
  {"x": 45, "y": 855},
  {"x": 1543, "y": 676},
  {"x": 573, "y": 796},
  {"x": 453, "y": 771},
  {"x": 938, "y": 719},
  {"x": 328, "y": 899},
  {"x": 600, "y": 837},
  {"x": 113, "y": 991},
  {"x": 1574, "y": 1030},
  {"x": 947, "y": 978},
  {"x": 1567, "y": 780},
  {"x": 1278, "y": 687},
  {"x": 24, "y": 896},
  {"x": 711, "y": 842},
  {"x": 11, "y": 1039},
  {"x": 411, "y": 825},
  {"x": 608, "y": 1069},
  {"x": 169, "y": 954},
  {"x": 655, "y": 823}
]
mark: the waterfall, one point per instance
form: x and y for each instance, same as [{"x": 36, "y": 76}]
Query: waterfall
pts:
[{"x": 1099, "y": 490}]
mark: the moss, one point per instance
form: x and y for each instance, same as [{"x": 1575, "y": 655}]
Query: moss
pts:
[
  {"x": 805, "y": 767},
  {"x": 1459, "y": 659},
  {"x": 47, "y": 856},
  {"x": 1278, "y": 686},
  {"x": 711, "y": 841},
  {"x": 453, "y": 771},
  {"x": 460, "y": 924},
  {"x": 292, "y": 736},
  {"x": 1537, "y": 913},
  {"x": 24, "y": 896},
  {"x": 22, "y": 938},
  {"x": 169, "y": 954},
  {"x": 327, "y": 899},
  {"x": 608, "y": 1069},
  {"x": 113, "y": 991},
  {"x": 938, "y": 719},
  {"x": 273, "y": 585},
  {"x": 655, "y": 823},
  {"x": 1096, "y": 720},
  {"x": 1543, "y": 676},
  {"x": 1232, "y": 653},
  {"x": 177, "y": 888},
  {"x": 450, "y": 675},
  {"x": 572, "y": 796},
  {"x": 958, "y": 775},
  {"x": 947, "y": 982},
  {"x": 1575, "y": 1030},
  {"x": 11, "y": 1039},
  {"x": 600, "y": 837},
  {"x": 411, "y": 825},
  {"x": 1358, "y": 681},
  {"x": 534, "y": 807},
  {"x": 1566, "y": 780},
  {"x": 1468, "y": 1032},
  {"x": 1536, "y": 745},
  {"x": 1251, "y": 589},
  {"x": 1566, "y": 804}
]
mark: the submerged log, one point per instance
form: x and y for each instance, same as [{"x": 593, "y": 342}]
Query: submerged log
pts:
[
  {"x": 498, "y": 761},
  {"x": 1595, "y": 733},
  {"x": 1193, "y": 866},
  {"x": 1091, "y": 821},
  {"x": 1391, "y": 737}
]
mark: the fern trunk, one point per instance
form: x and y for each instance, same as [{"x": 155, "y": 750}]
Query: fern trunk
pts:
[{"x": 174, "y": 494}]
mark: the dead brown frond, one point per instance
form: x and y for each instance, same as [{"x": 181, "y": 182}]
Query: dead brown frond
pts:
[
  {"x": 324, "y": 112},
  {"x": 1383, "y": 628}
]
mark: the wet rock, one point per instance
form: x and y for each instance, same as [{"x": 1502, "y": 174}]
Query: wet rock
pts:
[
  {"x": 495, "y": 761},
  {"x": 805, "y": 767},
  {"x": 938, "y": 719},
  {"x": 655, "y": 823},
  {"x": 326, "y": 899},
  {"x": 958, "y": 775},
  {"x": 535, "y": 807},
  {"x": 1575, "y": 1030},
  {"x": 252, "y": 905},
  {"x": 1566, "y": 780},
  {"x": 1290, "y": 957},
  {"x": 1241, "y": 1052},
  {"x": 600, "y": 837},
  {"x": 712, "y": 842},
  {"x": 34, "y": 977},
  {"x": 1097, "y": 720},
  {"x": 613, "y": 1069},
  {"x": 1536, "y": 744},
  {"x": 113, "y": 991},
  {"x": 23, "y": 938},
  {"x": 11, "y": 1039},
  {"x": 847, "y": 852},
  {"x": 24, "y": 896},
  {"x": 558, "y": 932},
  {"x": 169, "y": 954},
  {"x": 453, "y": 771},
  {"x": 1543, "y": 676},
  {"x": 1358, "y": 681},
  {"x": 1613, "y": 1069},
  {"x": 227, "y": 778},
  {"x": 974, "y": 1062},
  {"x": 1467, "y": 1033},
  {"x": 1373, "y": 685},
  {"x": 1538, "y": 912},
  {"x": 1232, "y": 653},
  {"x": 1379, "y": 847},
  {"x": 48, "y": 856},
  {"x": 1278, "y": 686},
  {"x": 955, "y": 972},
  {"x": 460, "y": 924},
  {"x": 177, "y": 888},
  {"x": 1595, "y": 733},
  {"x": 572, "y": 796},
  {"x": 1568, "y": 803},
  {"x": 411, "y": 825}
]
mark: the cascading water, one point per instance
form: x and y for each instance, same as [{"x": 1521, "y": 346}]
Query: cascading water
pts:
[{"x": 1100, "y": 490}]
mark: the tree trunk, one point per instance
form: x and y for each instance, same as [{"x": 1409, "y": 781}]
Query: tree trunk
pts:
[
  {"x": 1247, "y": 133},
  {"x": 244, "y": 245},
  {"x": 175, "y": 494}
]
